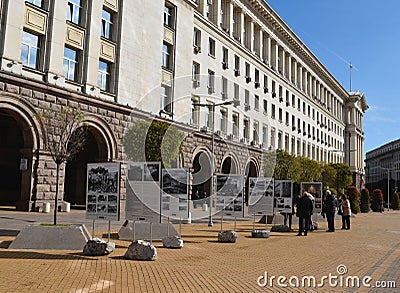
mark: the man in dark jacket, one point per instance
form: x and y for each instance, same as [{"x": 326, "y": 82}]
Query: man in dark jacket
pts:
[
  {"x": 329, "y": 209},
  {"x": 304, "y": 211}
]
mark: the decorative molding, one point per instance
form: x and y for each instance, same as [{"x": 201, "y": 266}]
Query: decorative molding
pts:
[
  {"x": 75, "y": 37},
  {"x": 169, "y": 36},
  {"x": 167, "y": 78},
  {"x": 107, "y": 50},
  {"x": 35, "y": 20},
  {"x": 112, "y": 4}
]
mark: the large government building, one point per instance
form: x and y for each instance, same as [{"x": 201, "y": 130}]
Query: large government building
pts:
[
  {"x": 229, "y": 65},
  {"x": 382, "y": 166}
]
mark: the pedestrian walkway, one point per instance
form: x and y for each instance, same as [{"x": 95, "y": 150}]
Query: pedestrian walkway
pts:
[{"x": 370, "y": 248}]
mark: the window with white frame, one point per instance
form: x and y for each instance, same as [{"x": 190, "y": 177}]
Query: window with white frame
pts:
[
  {"x": 211, "y": 81},
  {"x": 104, "y": 76},
  {"x": 237, "y": 65},
  {"x": 236, "y": 92},
  {"x": 265, "y": 107},
  {"x": 247, "y": 98},
  {"x": 74, "y": 11},
  {"x": 166, "y": 99},
  {"x": 255, "y": 132},
  {"x": 169, "y": 15},
  {"x": 224, "y": 92},
  {"x": 30, "y": 50},
  {"x": 71, "y": 64},
  {"x": 256, "y": 102},
  {"x": 246, "y": 129},
  {"x": 167, "y": 56},
  {"x": 209, "y": 116},
  {"x": 196, "y": 71},
  {"x": 265, "y": 137},
  {"x": 225, "y": 58},
  {"x": 107, "y": 24},
  {"x": 197, "y": 39}
]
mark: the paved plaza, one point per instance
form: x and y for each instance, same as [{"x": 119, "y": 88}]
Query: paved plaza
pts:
[{"x": 371, "y": 248}]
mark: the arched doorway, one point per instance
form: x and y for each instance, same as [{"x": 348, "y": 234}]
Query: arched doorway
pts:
[
  {"x": 201, "y": 180},
  {"x": 15, "y": 144},
  {"x": 250, "y": 171},
  {"x": 229, "y": 166},
  {"x": 95, "y": 150}
]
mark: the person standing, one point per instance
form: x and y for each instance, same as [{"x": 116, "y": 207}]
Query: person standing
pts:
[
  {"x": 346, "y": 213},
  {"x": 329, "y": 209},
  {"x": 304, "y": 211},
  {"x": 313, "y": 203}
]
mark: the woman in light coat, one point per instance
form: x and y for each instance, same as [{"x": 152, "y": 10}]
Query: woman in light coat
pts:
[{"x": 346, "y": 213}]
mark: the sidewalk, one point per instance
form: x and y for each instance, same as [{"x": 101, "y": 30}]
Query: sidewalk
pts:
[{"x": 370, "y": 248}]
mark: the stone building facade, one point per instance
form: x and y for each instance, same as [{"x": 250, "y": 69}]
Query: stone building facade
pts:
[{"x": 229, "y": 65}]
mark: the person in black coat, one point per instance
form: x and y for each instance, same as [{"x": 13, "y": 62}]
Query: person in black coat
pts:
[
  {"x": 304, "y": 211},
  {"x": 329, "y": 209}
]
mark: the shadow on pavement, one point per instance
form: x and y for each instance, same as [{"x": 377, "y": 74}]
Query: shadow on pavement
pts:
[
  {"x": 5, "y": 232},
  {"x": 27, "y": 254}
]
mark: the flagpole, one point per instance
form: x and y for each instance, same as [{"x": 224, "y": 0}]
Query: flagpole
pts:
[{"x": 351, "y": 67}]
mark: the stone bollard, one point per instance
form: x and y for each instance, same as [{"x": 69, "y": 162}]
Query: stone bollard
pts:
[
  {"x": 228, "y": 236},
  {"x": 97, "y": 247},
  {"x": 260, "y": 234},
  {"x": 141, "y": 250},
  {"x": 172, "y": 242}
]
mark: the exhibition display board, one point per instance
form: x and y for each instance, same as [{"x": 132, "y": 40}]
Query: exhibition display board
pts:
[
  {"x": 175, "y": 193},
  {"x": 103, "y": 191},
  {"x": 230, "y": 195},
  {"x": 315, "y": 188},
  {"x": 283, "y": 196},
  {"x": 261, "y": 196},
  {"x": 143, "y": 191}
]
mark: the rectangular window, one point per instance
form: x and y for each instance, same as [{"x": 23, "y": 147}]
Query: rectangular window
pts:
[
  {"x": 211, "y": 47},
  {"x": 265, "y": 138},
  {"x": 265, "y": 108},
  {"x": 211, "y": 81},
  {"x": 104, "y": 76},
  {"x": 74, "y": 11},
  {"x": 196, "y": 72},
  {"x": 166, "y": 99},
  {"x": 167, "y": 56},
  {"x": 235, "y": 124},
  {"x": 197, "y": 40},
  {"x": 255, "y": 133},
  {"x": 225, "y": 58},
  {"x": 237, "y": 65},
  {"x": 106, "y": 24},
  {"x": 256, "y": 78},
  {"x": 247, "y": 68},
  {"x": 195, "y": 111},
  {"x": 30, "y": 51},
  {"x": 71, "y": 64},
  {"x": 38, "y": 3},
  {"x": 265, "y": 84},
  {"x": 224, "y": 88},
  {"x": 169, "y": 15},
  {"x": 273, "y": 111},
  {"x": 247, "y": 98},
  {"x": 224, "y": 120},
  {"x": 246, "y": 129},
  {"x": 236, "y": 95},
  {"x": 256, "y": 103}
]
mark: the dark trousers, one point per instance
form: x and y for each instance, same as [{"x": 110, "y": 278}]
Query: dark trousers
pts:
[
  {"x": 330, "y": 217},
  {"x": 345, "y": 222},
  {"x": 304, "y": 224}
]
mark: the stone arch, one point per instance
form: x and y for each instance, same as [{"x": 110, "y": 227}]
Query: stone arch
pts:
[
  {"x": 102, "y": 131},
  {"x": 21, "y": 132},
  {"x": 251, "y": 169},
  {"x": 201, "y": 172},
  {"x": 230, "y": 164}
]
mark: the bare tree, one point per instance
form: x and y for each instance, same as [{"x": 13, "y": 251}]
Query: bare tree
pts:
[{"x": 65, "y": 135}]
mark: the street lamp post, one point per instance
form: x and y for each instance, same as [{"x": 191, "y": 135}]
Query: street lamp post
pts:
[
  {"x": 388, "y": 170},
  {"x": 210, "y": 220}
]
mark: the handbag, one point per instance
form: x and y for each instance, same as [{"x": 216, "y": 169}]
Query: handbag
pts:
[{"x": 340, "y": 210}]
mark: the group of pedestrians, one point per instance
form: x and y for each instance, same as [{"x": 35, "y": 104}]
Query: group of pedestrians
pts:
[{"x": 305, "y": 209}]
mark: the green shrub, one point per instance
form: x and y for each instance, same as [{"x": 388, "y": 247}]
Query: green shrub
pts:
[
  {"x": 377, "y": 199},
  {"x": 364, "y": 200},
  {"x": 395, "y": 201},
  {"x": 353, "y": 194}
]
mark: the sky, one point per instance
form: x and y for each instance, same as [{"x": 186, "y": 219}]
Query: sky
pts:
[{"x": 365, "y": 33}]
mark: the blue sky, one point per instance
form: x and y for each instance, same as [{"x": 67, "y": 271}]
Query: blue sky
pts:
[{"x": 365, "y": 33}]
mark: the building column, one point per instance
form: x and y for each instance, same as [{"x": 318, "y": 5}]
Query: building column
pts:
[
  {"x": 219, "y": 15},
  {"x": 294, "y": 71},
  {"x": 206, "y": 8},
  {"x": 276, "y": 52},
  {"x": 300, "y": 76},
  {"x": 242, "y": 29},
  {"x": 268, "y": 50},
  {"x": 231, "y": 21},
  {"x": 289, "y": 68},
  {"x": 261, "y": 47},
  {"x": 252, "y": 38},
  {"x": 283, "y": 62}
]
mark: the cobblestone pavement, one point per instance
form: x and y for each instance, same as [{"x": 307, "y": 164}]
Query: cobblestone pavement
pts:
[{"x": 370, "y": 248}]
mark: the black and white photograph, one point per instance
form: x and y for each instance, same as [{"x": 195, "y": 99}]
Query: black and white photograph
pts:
[
  {"x": 102, "y": 179},
  {"x": 175, "y": 181},
  {"x": 152, "y": 172},
  {"x": 135, "y": 172},
  {"x": 269, "y": 190},
  {"x": 315, "y": 188},
  {"x": 92, "y": 198},
  {"x": 91, "y": 208},
  {"x": 166, "y": 198},
  {"x": 102, "y": 194},
  {"x": 165, "y": 206},
  {"x": 182, "y": 208},
  {"x": 112, "y": 209}
]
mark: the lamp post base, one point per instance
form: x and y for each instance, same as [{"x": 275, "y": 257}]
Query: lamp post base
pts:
[{"x": 210, "y": 222}]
